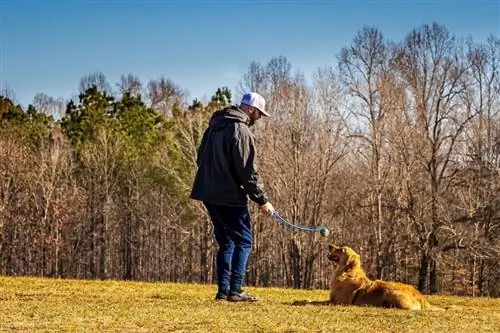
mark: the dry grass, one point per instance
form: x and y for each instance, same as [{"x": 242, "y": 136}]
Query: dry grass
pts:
[{"x": 51, "y": 305}]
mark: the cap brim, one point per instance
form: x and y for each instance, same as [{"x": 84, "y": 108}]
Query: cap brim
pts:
[{"x": 265, "y": 113}]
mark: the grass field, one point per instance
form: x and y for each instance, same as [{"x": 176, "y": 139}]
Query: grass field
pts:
[{"x": 53, "y": 305}]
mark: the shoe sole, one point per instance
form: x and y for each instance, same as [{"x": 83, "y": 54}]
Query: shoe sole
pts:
[{"x": 230, "y": 299}]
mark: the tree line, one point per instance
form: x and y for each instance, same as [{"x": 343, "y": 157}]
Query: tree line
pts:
[{"x": 395, "y": 148}]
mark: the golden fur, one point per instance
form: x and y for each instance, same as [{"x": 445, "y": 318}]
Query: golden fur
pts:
[{"x": 350, "y": 286}]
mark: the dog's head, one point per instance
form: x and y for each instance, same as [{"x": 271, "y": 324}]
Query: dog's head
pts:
[{"x": 343, "y": 257}]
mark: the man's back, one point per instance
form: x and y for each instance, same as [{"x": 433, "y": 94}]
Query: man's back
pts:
[{"x": 225, "y": 143}]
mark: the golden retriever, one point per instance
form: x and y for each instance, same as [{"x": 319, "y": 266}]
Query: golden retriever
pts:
[{"x": 350, "y": 286}]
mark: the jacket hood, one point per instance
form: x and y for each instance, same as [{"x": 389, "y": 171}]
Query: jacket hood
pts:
[{"x": 226, "y": 116}]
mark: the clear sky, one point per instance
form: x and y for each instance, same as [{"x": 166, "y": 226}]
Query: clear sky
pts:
[{"x": 47, "y": 46}]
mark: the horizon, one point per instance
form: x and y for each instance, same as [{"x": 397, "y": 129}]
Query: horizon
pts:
[{"x": 48, "y": 47}]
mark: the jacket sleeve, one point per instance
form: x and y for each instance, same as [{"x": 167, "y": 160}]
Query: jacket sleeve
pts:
[{"x": 246, "y": 168}]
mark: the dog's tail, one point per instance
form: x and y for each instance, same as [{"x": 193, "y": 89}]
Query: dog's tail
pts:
[
  {"x": 436, "y": 308},
  {"x": 428, "y": 306}
]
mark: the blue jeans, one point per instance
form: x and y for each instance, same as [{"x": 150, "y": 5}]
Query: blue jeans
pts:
[{"x": 234, "y": 235}]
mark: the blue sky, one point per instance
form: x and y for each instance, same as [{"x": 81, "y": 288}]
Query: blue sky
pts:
[{"x": 47, "y": 46}]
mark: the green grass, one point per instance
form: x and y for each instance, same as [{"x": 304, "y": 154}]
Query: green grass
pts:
[{"x": 53, "y": 305}]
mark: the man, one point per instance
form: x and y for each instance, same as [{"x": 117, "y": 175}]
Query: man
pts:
[{"x": 226, "y": 178}]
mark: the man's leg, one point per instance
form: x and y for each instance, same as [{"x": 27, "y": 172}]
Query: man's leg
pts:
[
  {"x": 225, "y": 252},
  {"x": 241, "y": 233},
  {"x": 232, "y": 226}
]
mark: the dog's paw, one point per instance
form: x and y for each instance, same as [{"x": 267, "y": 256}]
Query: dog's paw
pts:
[{"x": 301, "y": 302}]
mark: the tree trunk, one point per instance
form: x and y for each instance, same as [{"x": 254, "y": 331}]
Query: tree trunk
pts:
[
  {"x": 480, "y": 278},
  {"x": 309, "y": 271},
  {"x": 433, "y": 288},
  {"x": 127, "y": 246},
  {"x": 295, "y": 262},
  {"x": 422, "y": 274}
]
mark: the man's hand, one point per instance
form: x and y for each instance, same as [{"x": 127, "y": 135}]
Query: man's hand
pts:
[{"x": 267, "y": 209}]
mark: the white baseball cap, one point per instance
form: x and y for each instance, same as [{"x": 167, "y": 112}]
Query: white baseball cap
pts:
[{"x": 255, "y": 100}]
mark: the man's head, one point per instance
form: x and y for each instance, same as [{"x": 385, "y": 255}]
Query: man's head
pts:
[{"x": 254, "y": 106}]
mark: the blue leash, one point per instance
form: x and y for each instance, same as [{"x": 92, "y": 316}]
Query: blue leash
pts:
[{"x": 279, "y": 217}]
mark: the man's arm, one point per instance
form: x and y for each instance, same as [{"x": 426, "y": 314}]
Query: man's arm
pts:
[{"x": 244, "y": 162}]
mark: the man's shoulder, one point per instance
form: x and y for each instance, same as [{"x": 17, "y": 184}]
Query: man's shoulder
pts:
[{"x": 242, "y": 130}]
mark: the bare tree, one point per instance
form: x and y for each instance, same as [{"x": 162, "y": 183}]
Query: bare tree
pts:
[
  {"x": 279, "y": 72},
  {"x": 363, "y": 66},
  {"x": 49, "y": 105},
  {"x": 8, "y": 93},
  {"x": 255, "y": 79},
  {"x": 299, "y": 146},
  {"x": 54, "y": 167},
  {"x": 130, "y": 84},
  {"x": 100, "y": 165},
  {"x": 181, "y": 153},
  {"x": 13, "y": 165},
  {"x": 164, "y": 95},
  {"x": 478, "y": 183},
  {"x": 430, "y": 64},
  {"x": 97, "y": 79}
]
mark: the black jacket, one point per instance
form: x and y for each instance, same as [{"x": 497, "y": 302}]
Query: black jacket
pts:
[{"x": 227, "y": 173}]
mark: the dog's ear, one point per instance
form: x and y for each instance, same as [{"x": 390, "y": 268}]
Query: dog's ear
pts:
[
  {"x": 350, "y": 266},
  {"x": 352, "y": 263}
]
